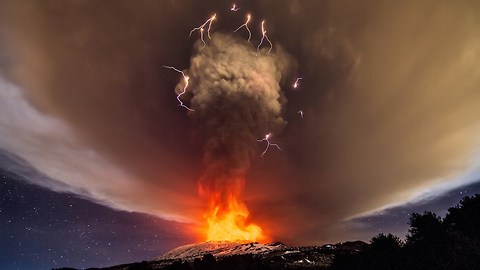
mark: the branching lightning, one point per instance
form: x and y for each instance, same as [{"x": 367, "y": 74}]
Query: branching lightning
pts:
[
  {"x": 246, "y": 27},
  {"x": 264, "y": 36},
  {"x": 267, "y": 139},
  {"x": 297, "y": 83},
  {"x": 234, "y": 8},
  {"x": 301, "y": 113},
  {"x": 185, "y": 78},
  {"x": 201, "y": 28}
]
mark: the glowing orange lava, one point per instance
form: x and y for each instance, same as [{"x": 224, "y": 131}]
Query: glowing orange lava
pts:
[
  {"x": 227, "y": 217},
  {"x": 229, "y": 223}
]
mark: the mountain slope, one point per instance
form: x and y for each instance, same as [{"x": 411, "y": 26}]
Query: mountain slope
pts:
[
  {"x": 245, "y": 255},
  {"x": 220, "y": 249}
]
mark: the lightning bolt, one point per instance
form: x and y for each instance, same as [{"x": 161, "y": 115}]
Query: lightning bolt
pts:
[
  {"x": 264, "y": 36},
  {"x": 201, "y": 28},
  {"x": 297, "y": 83},
  {"x": 246, "y": 27},
  {"x": 185, "y": 78},
  {"x": 267, "y": 139},
  {"x": 234, "y": 8}
]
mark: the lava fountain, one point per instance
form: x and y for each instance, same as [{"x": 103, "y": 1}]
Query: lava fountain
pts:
[
  {"x": 229, "y": 223},
  {"x": 235, "y": 95},
  {"x": 227, "y": 218}
]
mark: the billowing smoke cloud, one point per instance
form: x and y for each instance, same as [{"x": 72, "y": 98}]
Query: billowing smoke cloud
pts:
[
  {"x": 389, "y": 93},
  {"x": 236, "y": 98},
  {"x": 46, "y": 151}
]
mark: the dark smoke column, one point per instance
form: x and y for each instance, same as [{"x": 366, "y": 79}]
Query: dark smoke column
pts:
[{"x": 236, "y": 97}]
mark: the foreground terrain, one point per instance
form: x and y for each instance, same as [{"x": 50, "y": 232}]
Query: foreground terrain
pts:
[{"x": 245, "y": 255}]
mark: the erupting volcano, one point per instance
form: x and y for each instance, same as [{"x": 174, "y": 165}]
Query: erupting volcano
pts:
[{"x": 235, "y": 96}]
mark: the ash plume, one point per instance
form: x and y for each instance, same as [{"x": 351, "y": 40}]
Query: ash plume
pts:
[{"x": 236, "y": 97}]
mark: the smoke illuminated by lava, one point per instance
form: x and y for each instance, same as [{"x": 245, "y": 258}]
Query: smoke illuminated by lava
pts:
[{"x": 236, "y": 97}]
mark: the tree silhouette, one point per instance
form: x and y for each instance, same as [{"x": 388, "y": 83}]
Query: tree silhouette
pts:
[
  {"x": 427, "y": 242},
  {"x": 462, "y": 223},
  {"x": 384, "y": 252},
  {"x": 465, "y": 217},
  {"x": 424, "y": 229},
  {"x": 432, "y": 243}
]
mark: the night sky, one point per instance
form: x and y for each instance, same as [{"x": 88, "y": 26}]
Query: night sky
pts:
[
  {"x": 99, "y": 164},
  {"x": 42, "y": 229}
]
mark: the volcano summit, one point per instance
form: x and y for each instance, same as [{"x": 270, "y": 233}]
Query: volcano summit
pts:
[{"x": 246, "y": 255}]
